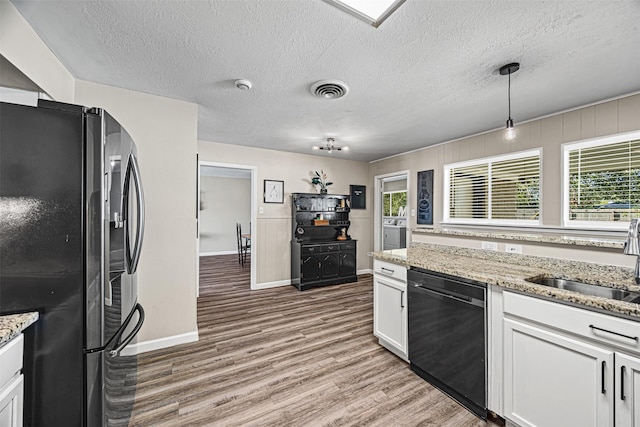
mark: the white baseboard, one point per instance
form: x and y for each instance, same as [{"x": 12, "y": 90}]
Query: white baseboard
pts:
[
  {"x": 218, "y": 253},
  {"x": 157, "y": 344},
  {"x": 275, "y": 284},
  {"x": 278, "y": 283}
]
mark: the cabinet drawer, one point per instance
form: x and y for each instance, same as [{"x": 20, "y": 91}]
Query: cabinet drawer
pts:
[
  {"x": 11, "y": 359},
  {"x": 347, "y": 246},
  {"x": 389, "y": 269},
  {"x": 331, "y": 248},
  {"x": 622, "y": 333},
  {"x": 315, "y": 249}
]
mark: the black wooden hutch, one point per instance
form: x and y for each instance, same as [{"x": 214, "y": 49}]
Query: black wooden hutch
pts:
[{"x": 318, "y": 256}]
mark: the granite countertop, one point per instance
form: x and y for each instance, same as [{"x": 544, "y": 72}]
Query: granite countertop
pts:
[
  {"x": 597, "y": 242},
  {"x": 14, "y": 324},
  {"x": 510, "y": 271},
  {"x": 396, "y": 256}
]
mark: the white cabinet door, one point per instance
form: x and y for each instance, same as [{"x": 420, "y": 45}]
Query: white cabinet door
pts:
[
  {"x": 11, "y": 402},
  {"x": 390, "y": 312},
  {"x": 555, "y": 381},
  {"x": 628, "y": 391}
]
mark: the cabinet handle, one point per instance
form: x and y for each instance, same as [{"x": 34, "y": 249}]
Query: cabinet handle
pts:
[
  {"x": 387, "y": 270},
  {"x": 622, "y": 372},
  {"x": 604, "y": 364},
  {"x": 614, "y": 333},
  {"x": 401, "y": 299}
]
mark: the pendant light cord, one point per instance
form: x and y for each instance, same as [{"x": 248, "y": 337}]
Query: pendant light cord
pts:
[{"x": 509, "y": 95}]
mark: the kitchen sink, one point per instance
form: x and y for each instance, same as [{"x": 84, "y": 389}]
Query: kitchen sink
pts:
[{"x": 586, "y": 288}]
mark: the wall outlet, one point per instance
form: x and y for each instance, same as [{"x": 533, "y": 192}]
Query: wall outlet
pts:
[
  {"x": 490, "y": 246},
  {"x": 514, "y": 249}
]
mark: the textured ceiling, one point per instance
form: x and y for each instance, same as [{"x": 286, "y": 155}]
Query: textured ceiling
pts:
[{"x": 427, "y": 75}]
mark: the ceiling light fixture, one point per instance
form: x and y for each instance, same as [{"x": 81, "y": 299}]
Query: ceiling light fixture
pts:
[
  {"x": 510, "y": 132},
  {"x": 373, "y": 12},
  {"x": 330, "y": 146}
]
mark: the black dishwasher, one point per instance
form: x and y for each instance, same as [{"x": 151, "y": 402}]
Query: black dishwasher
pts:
[{"x": 447, "y": 335}]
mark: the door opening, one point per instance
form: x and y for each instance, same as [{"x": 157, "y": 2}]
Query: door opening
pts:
[
  {"x": 392, "y": 211},
  {"x": 226, "y": 199}
]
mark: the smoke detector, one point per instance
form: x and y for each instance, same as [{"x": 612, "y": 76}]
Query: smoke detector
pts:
[
  {"x": 329, "y": 89},
  {"x": 243, "y": 84}
]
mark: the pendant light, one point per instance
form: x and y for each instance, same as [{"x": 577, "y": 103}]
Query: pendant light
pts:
[{"x": 510, "y": 132}]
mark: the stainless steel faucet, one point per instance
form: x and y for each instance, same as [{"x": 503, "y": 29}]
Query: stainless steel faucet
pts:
[{"x": 632, "y": 245}]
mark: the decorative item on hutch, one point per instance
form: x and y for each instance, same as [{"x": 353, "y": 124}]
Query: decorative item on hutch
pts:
[{"x": 321, "y": 180}]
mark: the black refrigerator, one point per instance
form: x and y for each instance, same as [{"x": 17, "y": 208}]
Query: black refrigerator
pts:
[{"x": 71, "y": 230}]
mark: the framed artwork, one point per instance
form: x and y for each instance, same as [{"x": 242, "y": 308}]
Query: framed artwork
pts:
[
  {"x": 273, "y": 191},
  {"x": 358, "y": 196},
  {"x": 425, "y": 197}
]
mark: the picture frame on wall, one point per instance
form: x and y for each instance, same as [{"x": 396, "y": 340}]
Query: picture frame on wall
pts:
[
  {"x": 358, "y": 195},
  {"x": 273, "y": 191},
  {"x": 425, "y": 198}
]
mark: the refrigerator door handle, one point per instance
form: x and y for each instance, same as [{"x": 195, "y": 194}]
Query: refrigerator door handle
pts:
[
  {"x": 140, "y": 211},
  {"x": 132, "y": 256},
  {"x": 116, "y": 351}
]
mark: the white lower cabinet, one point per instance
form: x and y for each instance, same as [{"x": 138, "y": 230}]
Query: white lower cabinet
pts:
[
  {"x": 628, "y": 395},
  {"x": 390, "y": 307},
  {"x": 566, "y": 366},
  {"x": 11, "y": 383},
  {"x": 551, "y": 380},
  {"x": 11, "y": 403}
]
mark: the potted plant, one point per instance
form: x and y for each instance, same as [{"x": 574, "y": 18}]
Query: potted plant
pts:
[{"x": 320, "y": 179}]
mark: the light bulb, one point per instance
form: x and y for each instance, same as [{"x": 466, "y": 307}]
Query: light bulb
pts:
[
  {"x": 345, "y": 148},
  {"x": 315, "y": 147},
  {"x": 510, "y": 133}
]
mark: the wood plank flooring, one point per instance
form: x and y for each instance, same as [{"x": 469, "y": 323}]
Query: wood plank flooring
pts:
[{"x": 280, "y": 357}]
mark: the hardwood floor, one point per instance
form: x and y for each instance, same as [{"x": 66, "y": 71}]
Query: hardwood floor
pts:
[{"x": 280, "y": 357}]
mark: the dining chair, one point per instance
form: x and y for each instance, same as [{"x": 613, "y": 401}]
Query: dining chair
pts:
[
  {"x": 239, "y": 241},
  {"x": 244, "y": 245}
]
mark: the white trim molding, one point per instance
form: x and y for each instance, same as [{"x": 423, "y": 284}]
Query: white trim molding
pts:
[
  {"x": 157, "y": 344},
  {"x": 234, "y": 252}
]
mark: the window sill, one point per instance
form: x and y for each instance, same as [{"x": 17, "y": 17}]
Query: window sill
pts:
[{"x": 559, "y": 236}]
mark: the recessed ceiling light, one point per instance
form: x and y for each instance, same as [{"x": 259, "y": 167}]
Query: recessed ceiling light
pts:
[{"x": 372, "y": 11}]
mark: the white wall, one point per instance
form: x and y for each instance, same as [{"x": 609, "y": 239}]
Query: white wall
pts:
[
  {"x": 223, "y": 203},
  {"x": 21, "y": 46}
]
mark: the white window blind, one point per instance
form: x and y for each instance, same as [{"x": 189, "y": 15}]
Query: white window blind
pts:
[
  {"x": 602, "y": 182},
  {"x": 504, "y": 189}
]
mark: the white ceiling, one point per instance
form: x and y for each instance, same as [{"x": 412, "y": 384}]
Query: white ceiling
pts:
[{"x": 428, "y": 74}]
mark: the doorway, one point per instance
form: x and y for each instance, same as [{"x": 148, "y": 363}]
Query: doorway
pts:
[
  {"x": 226, "y": 197},
  {"x": 392, "y": 209}
]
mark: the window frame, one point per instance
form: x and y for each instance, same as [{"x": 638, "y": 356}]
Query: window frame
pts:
[
  {"x": 589, "y": 143},
  {"x": 446, "y": 219}
]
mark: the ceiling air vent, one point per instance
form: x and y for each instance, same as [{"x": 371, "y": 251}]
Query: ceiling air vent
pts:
[{"x": 330, "y": 89}]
